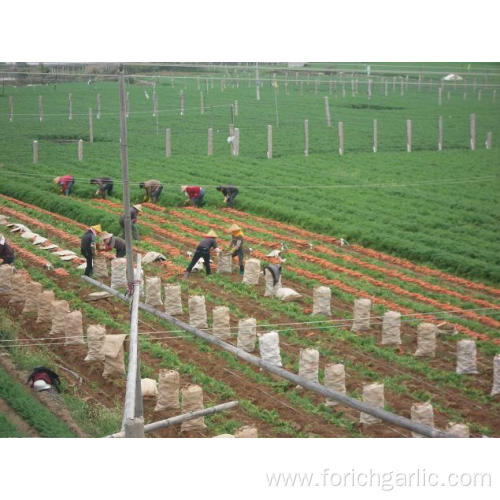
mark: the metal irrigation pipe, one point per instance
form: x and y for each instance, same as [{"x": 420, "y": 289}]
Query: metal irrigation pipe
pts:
[
  {"x": 162, "y": 424},
  {"x": 384, "y": 415}
]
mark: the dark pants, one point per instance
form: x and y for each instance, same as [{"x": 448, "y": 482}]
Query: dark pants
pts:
[
  {"x": 7, "y": 260},
  {"x": 121, "y": 252},
  {"x": 155, "y": 196},
  {"x": 200, "y": 253},
  {"x": 232, "y": 196},
  {"x": 135, "y": 232},
  {"x": 240, "y": 255},
  {"x": 89, "y": 268},
  {"x": 106, "y": 190},
  {"x": 69, "y": 186}
]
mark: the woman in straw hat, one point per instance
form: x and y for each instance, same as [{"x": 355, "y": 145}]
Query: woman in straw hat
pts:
[
  {"x": 203, "y": 251},
  {"x": 66, "y": 182},
  {"x": 237, "y": 244},
  {"x": 135, "y": 210},
  {"x": 111, "y": 241}
]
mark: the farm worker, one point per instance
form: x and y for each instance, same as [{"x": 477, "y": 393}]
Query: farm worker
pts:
[
  {"x": 42, "y": 379},
  {"x": 237, "y": 244},
  {"x": 104, "y": 186},
  {"x": 229, "y": 193},
  {"x": 88, "y": 246},
  {"x": 194, "y": 194},
  {"x": 110, "y": 241},
  {"x": 203, "y": 251},
  {"x": 66, "y": 182},
  {"x": 153, "y": 190},
  {"x": 6, "y": 251},
  {"x": 134, "y": 213}
]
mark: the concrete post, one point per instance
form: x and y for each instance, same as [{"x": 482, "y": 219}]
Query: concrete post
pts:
[
  {"x": 91, "y": 127},
  {"x": 473, "y": 131},
  {"x": 40, "y": 106},
  {"x": 306, "y": 137},
  {"x": 341, "y": 138},
  {"x": 98, "y": 116},
  {"x": 168, "y": 146},
  {"x": 327, "y": 112},
  {"x": 408, "y": 135},
  {"x": 35, "y": 151},
  {"x": 210, "y": 148},
  {"x": 488, "y": 140},
  {"x": 11, "y": 108},
  {"x": 440, "y": 133},
  {"x": 80, "y": 150},
  {"x": 202, "y": 103},
  {"x": 70, "y": 117},
  {"x": 269, "y": 141},
  {"x": 375, "y": 135}
]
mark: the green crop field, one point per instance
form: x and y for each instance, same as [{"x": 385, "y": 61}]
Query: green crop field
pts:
[{"x": 437, "y": 208}]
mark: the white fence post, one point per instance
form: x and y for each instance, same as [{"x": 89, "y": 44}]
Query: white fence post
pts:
[
  {"x": 98, "y": 116},
  {"x": 168, "y": 145},
  {"x": 408, "y": 136},
  {"x": 210, "y": 148},
  {"x": 202, "y": 103},
  {"x": 91, "y": 127},
  {"x": 40, "y": 107},
  {"x": 440, "y": 96},
  {"x": 341, "y": 138},
  {"x": 473, "y": 131},
  {"x": 306, "y": 137},
  {"x": 70, "y": 117},
  {"x": 488, "y": 140},
  {"x": 343, "y": 89},
  {"x": 35, "y": 151},
  {"x": 236, "y": 142},
  {"x": 182, "y": 102},
  {"x": 375, "y": 135},
  {"x": 327, "y": 111},
  {"x": 269, "y": 141},
  {"x": 11, "y": 108},
  {"x": 440, "y": 133},
  {"x": 80, "y": 150},
  {"x": 386, "y": 83},
  {"x": 369, "y": 91}
]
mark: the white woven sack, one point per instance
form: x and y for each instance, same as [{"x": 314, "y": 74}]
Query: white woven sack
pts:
[
  {"x": 153, "y": 291},
  {"x": 33, "y": 292},
  {"x": 391, "y": 328},
  {"x": 466, "y": 357},
  {"x": 322, "y": 298},
  {"x": 271, "y": 289},
  {"x": 100, "y": 267},
  {"x": 197, "y": 311},
  {"x": 45, "y": 306},
  {"x": 287, "y": 294},
  {"x": 192, "y": 400},
  {"x": 95, "y": 342},
  {"x": 247, "y": 431},
  {"x": 173, "y": 300},
  {"x": 119, "y": 273},
  {"x": 225, "y": 263},
  {"x": 422, "y": 413},
  {"x": 149, "y": 388},
  {"x": 309, "y": 364},
  {"x": 269, "y": 347},
  {"x": 18, "y": 284},
  {"x": 252, "y": 272},
  {"x": 6, "y": 272},
  {"x": 426, "y": 340},
  {"x": 334, "y": 380},
  {"x": 247, "y": 335},
  {"x": 73, "y": 330},
  {"x": 114, "y": 355},
  {"x": 220, "y": 322},
  {"x": 373, "y": 395},
  {"x": 168, "y": 390},
  {"x": 59, "y": 311},
  {"x": 496, "y": 376},
  {"x": 361, "y": 313}
]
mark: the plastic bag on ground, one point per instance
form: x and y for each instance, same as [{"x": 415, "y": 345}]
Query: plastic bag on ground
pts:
[
  {"x": 287, "y": 294},
  {"x": 153, "y": 257}
]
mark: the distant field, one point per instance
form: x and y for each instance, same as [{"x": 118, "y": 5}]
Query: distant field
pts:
[{"x": 415, "y": 205}]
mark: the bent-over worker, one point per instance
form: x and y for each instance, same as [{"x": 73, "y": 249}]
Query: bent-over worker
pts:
[
  {"x": 42, "y": 379},
  {"x": 153, "y": 190},
  {"x": 237, "y": 244},
  {"x": 104, "y": 186},
  {"x": 66, "y": 182},
  {"x": 111, "y": 241},
  {"x": 229, "y": 193},
  {"x": 134, "y": 213},
  {"x": 203, "y": 251},
  {"x": 88, "y": 246},
  {"x": 7, "y": 255},
  {"x": 195, "y": 194}
]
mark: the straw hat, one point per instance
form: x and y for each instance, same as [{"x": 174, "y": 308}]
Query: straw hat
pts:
[
  {"x": 233, "y": 228},
  {"x": 138, "y": 207},
  {"x": 97, "y": 228},
  {"x": 183, "y": 189},
  {"x": 56, "y": 180},
  {"x": 212, "y": 234},
  {"x": 106, "y": 236}
]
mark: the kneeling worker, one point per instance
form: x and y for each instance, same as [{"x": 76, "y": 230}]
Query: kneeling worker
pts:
[
  {"x": 195, "y": 194},
  {"x": 203, "y": 251},
  {"x": 237, "y": 244},
  {"x": 42, "y": 379},
  {"x": 66, "y": 182},
  {"x": 229, "y": 193},
  {"x": 153, "y": 190},
  {"x": 110, "y": 241},
  {"x": 105, "y": 186}
]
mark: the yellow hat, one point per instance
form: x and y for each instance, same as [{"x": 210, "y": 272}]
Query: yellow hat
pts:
[
  {"x": 56, "y": 180},
  {"x": 138, "y": 207},
  {"x": 105, "y": 235},
  {"x": 97, "y": 228},
  {"x": 234, "y": 227},
  {"x": 212, "y": 234}
]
